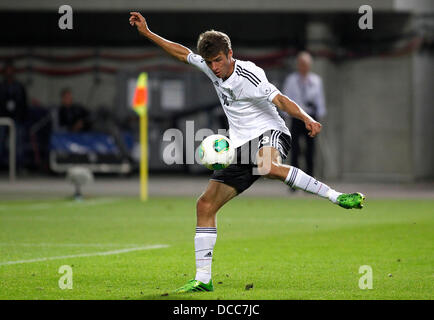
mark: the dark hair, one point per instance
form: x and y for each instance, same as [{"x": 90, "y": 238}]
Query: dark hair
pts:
[{"x": 211, "y": 42}]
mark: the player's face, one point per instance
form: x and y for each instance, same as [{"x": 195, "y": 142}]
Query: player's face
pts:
[{"x": 221, "y": 64}]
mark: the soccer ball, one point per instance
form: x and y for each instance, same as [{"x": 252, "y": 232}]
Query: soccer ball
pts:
[{"x": 216, "y": 152}]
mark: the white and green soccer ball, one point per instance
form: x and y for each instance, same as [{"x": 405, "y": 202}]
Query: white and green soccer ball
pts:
[{"x": 216, "y": 152}]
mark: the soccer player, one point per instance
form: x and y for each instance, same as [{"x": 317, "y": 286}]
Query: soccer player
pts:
[{"x": 248, "y": 100}]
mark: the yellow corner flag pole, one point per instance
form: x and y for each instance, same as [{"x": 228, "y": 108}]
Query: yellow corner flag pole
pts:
[
  {"x": 144, "y": 157},
  {"x": 140, "y": 105}
]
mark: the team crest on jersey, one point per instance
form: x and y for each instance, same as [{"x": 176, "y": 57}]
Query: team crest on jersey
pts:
[{"x": 266, "y": 89}]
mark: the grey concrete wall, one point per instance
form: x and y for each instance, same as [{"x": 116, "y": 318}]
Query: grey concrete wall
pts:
[
  {"x": 378, "y": 124},
  {"x": 376, "y": 119},
  {"x": 328, "y": 159},
  {"x": 423, "y": 115}
]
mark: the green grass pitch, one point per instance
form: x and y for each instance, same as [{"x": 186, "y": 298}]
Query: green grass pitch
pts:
[{"x": 287, "y": 248}]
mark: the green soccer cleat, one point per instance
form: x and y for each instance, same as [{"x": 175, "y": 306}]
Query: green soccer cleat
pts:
[
  {"x": 194, "y": 286},
  {"x": 351, "y": 200}
]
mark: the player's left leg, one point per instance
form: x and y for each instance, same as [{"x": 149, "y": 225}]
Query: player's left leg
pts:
[
  {"x": 211, "y": 200},
  {"x": 270, "y": 165}
]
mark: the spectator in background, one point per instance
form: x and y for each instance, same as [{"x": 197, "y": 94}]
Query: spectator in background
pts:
[
  {"x": 306, "y": 89},
  {"x": 13, "y": 96},
  {"x": 105, "y": 122},
  {"x": 13, "y": 104},
  {"x": 72, "y": 117}
]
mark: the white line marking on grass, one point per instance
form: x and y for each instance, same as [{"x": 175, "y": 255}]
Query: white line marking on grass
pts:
[
  {"x": 23, "y": 244},
  {"x": 105, "y": 253},
  {"x": 49, "y": 205},
  {"x": 91, "y": 202},
  {"x": 35, "y": 206}
]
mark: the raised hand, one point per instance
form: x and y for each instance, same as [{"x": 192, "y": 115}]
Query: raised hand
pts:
[{"x": 136, "y": 19}]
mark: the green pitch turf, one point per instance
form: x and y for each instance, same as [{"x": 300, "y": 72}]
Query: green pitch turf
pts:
[{"x": 279, "y": 248}]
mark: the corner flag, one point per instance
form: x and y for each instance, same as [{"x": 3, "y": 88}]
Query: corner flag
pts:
[{"x": 140, "y": 105}]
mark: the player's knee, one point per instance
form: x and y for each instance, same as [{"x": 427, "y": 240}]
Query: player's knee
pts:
[
  {"x": 264, "y": 169},
  {"x": 271, "y": 171},
  {"x": 265, "y": 166},
  {"x": 204, "y": 207},
  {"x": 268, "y": 163}
]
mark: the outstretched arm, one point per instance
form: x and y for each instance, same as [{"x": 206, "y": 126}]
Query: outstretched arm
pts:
[
  {"x": 174, "y": 49},
  {"x": 290, "y": 107}
]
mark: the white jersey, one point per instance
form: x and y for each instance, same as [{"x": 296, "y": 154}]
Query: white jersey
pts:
[{"x": 246, "y": 100}]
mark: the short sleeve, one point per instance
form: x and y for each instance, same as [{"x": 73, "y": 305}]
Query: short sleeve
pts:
[
  {"x": 197, "y": 61},
  {"x": 267, "y": 91},
  {"x": 263, "y": 90}
]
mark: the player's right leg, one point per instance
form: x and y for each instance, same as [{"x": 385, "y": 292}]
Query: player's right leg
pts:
[
  {"x": 270, "y": 165},
  {"x": 214, "y": 197}
]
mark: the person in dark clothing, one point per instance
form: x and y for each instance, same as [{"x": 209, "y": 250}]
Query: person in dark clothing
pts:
[
  {"x": 13, "y": 104},
  {"x": 72, "y": 117},
  {"x": 13, "y": 96}
]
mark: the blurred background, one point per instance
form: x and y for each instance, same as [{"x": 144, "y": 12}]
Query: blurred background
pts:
[{"x": 378, "y": 86}]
